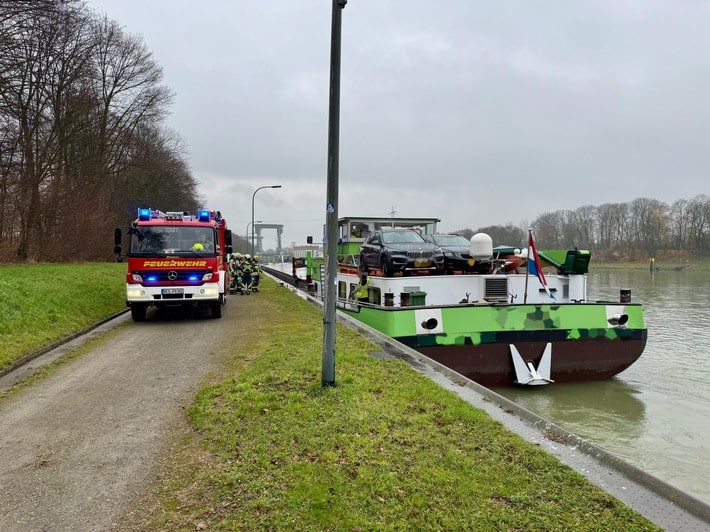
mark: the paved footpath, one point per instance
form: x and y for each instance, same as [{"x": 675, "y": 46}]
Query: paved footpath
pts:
[{"x": 80, "y": 444}]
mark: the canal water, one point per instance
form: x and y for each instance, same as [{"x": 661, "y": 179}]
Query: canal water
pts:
[{"x": 655, "y": 414}]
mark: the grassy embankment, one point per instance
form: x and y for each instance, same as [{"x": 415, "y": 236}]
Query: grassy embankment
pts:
[
  {"x": 269, "y": 448},
  {"x": 43, "y": 303}
]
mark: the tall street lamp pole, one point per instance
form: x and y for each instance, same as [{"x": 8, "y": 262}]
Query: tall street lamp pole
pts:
[
  {"x": 252, "y": 213},
  {"x": 331, "y": 217}
]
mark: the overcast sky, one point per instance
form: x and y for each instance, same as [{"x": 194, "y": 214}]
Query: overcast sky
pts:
[{"x": 476, "y": 112}]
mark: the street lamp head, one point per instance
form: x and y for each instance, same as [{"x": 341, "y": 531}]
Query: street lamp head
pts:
[{"x": 275, "y": 186}]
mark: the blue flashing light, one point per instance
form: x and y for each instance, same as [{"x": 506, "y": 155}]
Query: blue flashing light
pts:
[
  {"x": 144, "y": 214},
  {"x": 152, "y": 278},
  {"x": 203, "y": 215},
  {"x": 193, "y": 278}
]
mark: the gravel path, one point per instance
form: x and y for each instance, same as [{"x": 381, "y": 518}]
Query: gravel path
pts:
[{"x": 79, "y": 445}]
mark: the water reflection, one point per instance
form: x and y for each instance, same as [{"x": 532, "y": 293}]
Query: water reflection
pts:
[
  {"x": 655, "y": 413},
  {"x": 611, "y": 408}
]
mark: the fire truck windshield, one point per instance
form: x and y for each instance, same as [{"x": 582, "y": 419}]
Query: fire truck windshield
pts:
[{"x": 167, "y": 240}]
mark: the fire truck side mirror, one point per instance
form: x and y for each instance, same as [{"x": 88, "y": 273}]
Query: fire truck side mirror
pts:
[
  {"x": 228, "y": 242},
  {"x": 117, "y": 244}
]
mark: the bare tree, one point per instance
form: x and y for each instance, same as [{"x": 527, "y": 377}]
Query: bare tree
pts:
[
  {"x": 158, "y": 176},
  {"x": 548, "y": 229},
  {"x": 75, "y": 92},
  {"x": 502, "y": 235},
  {"x": 649, "y": 224},
  {"x": 699, "y": 224},
  {"x": 608, "y": 227},
  {"x": 679, "y": 223},
  {"x": 25, "y": 69},
  {"x": 127, "y": 86}
]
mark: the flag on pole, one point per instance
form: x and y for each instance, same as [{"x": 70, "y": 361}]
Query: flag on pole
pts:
[{"x": 534, "y": 266}]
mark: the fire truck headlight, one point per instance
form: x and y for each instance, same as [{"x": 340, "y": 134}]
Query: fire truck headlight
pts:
[
  {"x": 209, "y": 291},
  {"x": 135, "y": 292},
  {"x": 207, "y": 276},
  {"x": 136, "y": 277}
]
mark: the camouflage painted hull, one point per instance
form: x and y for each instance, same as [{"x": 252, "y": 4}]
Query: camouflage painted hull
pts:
[
  {"x": 476, "y": 340},
  {"x": 581, "y": 360}
]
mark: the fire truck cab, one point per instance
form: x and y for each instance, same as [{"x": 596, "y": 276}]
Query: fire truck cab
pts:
[{"x": 176, "y": 259}]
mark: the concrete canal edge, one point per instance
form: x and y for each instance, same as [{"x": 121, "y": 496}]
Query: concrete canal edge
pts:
[{"x": 655, "y": 499}]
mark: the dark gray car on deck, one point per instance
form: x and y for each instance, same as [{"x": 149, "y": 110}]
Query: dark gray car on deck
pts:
[
  {"x": 456, "y": 250},
  {"x": 400, "y": 251}
]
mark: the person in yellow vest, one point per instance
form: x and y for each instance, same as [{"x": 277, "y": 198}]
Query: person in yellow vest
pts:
[
  {"x": 255, "y": 273},
  {"x": 362, "y": 292},
  {"x": 245, "y": 269},
  {"x": 202, "y": 244}
]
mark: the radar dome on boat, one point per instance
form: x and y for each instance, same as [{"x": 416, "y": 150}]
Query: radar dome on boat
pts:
[{"x": 481, "y": 246}]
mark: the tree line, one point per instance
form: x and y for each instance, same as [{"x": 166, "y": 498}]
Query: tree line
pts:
[
  {"x": 82, "y": 140},
  {"x": 640, "y": 229}
]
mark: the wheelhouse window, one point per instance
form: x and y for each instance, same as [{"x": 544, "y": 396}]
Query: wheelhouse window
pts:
[
  {"x": 342, "y": 290},
  {"x": 375, "y": 295}
]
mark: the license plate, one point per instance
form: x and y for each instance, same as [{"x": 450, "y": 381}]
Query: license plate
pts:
[
  {"x": 421, "y": 263},
  {"x": 167, "y": 291}
]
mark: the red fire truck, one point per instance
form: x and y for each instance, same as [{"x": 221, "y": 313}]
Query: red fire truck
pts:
[{"x": 176, "y": 259}]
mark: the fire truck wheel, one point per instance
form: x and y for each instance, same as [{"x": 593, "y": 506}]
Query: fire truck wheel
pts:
[
  {"x": 138, "y": 311},
  {"x": 217, "y": 310}
]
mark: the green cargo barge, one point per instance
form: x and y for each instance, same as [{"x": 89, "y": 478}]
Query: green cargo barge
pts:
[{"x": 495, "y": 326}]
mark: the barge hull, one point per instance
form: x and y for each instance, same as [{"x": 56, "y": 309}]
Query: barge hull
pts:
[{"x": 580, "y": 360}]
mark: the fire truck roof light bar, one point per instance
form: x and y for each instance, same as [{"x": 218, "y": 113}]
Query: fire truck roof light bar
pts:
[{"x": 203, "y": 215}]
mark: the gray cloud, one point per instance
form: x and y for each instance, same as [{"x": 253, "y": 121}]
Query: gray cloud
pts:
[{"x": 478, "y": 113}]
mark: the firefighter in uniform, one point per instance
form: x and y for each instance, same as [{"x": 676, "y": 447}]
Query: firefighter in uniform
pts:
[
  {"x": 234, "y": 272},
  {"x": 202, "y": 244},
  {"x": 362, "y": 290},
  {"x": 245, "y": 270},
  {"x": 255, "y": 273}
]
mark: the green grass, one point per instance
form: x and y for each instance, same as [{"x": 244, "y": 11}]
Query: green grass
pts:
[
  {"x": 42, "y": 303},
  {"x": 265, "y": 447}
]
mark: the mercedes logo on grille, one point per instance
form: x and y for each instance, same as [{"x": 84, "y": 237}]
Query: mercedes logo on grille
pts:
[{"x": 172, "y": 275}]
